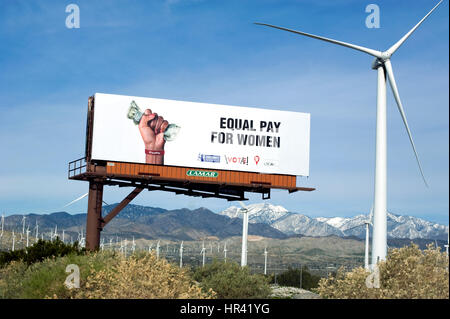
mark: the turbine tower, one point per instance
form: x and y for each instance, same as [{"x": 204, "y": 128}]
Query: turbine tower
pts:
[
  {"x": 23, "y": 228},
  {"x": 244, "y": 235},
  {"x": 448, "y": 240},
  {"x": 382, "y": 64},
  {"x": 157, "y": 250},
  {"x": 3, "y": 222},
  {"x": 202, "y": 252},
  {"x": 225, "y": 251},
  {"x": 181, "y": 255},
  {"x": 13, "y": 240},
  {"x": 37, "y": 231},
  {"x": 28, "y": 235},
  {"x": 366, "y": 250},
  {"x": 265, "y": 260}
]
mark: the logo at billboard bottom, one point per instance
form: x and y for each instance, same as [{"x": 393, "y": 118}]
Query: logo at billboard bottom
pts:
[{"x": 198, "y": 173}]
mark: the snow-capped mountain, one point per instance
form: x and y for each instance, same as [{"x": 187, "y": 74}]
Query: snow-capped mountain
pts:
[
  {"x": 292, "y": 223},
  {"x": 258, "y": 213}
]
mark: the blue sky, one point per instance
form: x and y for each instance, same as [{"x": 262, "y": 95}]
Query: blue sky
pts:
[{"x": 209, "y": 51}]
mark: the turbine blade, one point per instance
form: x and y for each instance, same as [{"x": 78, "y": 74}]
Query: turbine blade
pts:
[
  {"x": 242, "y": 204},
  {"x": 375, "y": 53},
  {"x": 390, "y": 74},
  {"x": 76, "y": 200},
  {"x": 394, "y": 48}
]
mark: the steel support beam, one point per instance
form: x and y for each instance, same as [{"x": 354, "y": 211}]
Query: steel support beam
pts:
[
  {"x": 94, "y": 215},
  {"x": 121, "y": 206}
]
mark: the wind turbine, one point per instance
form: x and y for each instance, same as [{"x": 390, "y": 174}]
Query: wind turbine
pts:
[
  {"x": 133, "y": 246},
  {"x": 225, "y": 251},
  {"x": 157, "y": 250},
  {"x": 202, "y": 252},
  {"x": 366, "y": 248},
  {"x": 265, "y": 260},
  {"x": 3, "y": 223},
  {"x": 382, "y": 64},
  {"x": 23, "y": 228},
  {"x": 244, "y": 234},
  {"x": 446, "y": 246},
  {"x": 37, "y": 230},
  {"x": 121, "y": 247},
  {"x": 28, "y": 235},
  {"x": 181, "y": 254}
]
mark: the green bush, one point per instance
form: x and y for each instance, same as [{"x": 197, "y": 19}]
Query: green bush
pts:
[
  {"x": 46, "y": 279},
  {"x": 291, "y": 278},
  {"x": 39, "y": 251},
  {"x": 231, "y": 281},
  {"x": 102, "y": 275},
  {"x": 407, "y": 273}
]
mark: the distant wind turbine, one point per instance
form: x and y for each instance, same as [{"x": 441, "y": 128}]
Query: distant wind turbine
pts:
[
  {"x": 3, "y": 223},
  {"x": 37, "y": 231},
  {"x": 28, "y": 234},
  {"x": 448, "y": 240},
  {"x": 23, "y": 228},
  {"x": 133, "y": 247},
  {"x": 382, "y": 64},
  {"x": 157, "y": 249},
  {"x": 202, "y": 252},
  {"x": 366, "y": 248},
  {"x": 265, "y": 260},
  {"x": 225, "y": 251},
  {"x": 181, "y": 254},
  {"x": 244, "y": 210},
  {"x": 13, "y": 240}
]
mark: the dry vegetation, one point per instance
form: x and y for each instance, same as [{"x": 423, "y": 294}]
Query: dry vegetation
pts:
[
  {"x": 407, "y": 273},
  {"x": 141, "y": 277}
]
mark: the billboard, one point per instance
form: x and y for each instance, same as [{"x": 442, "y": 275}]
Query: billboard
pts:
[{"x": 200, "y": 135}]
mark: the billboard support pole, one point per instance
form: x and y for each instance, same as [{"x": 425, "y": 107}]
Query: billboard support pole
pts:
[
  {"x": 94, "y": 215},
  {"x": 121, "y": 206}
]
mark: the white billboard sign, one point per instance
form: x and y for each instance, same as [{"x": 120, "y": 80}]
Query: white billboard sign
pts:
[{"x": 178, "y": 133}]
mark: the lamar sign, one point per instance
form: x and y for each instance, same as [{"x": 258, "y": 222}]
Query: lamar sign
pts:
[{"x": 201, "y": 173}]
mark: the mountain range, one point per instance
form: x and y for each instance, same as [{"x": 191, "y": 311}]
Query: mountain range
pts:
[
  {"x": 292, "y": 223},
  {"x": 265, "y": 220}
]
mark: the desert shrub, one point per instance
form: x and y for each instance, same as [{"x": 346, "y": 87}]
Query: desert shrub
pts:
[
  {"x": 408, "y": 272},
  {"x": 291, "y": 278},
  {"x": 231, "y": 281},
  {"x": 140, "y": 276},
  {"x": 46, "y": 278},
  {"x": 39, "y": 251}
]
